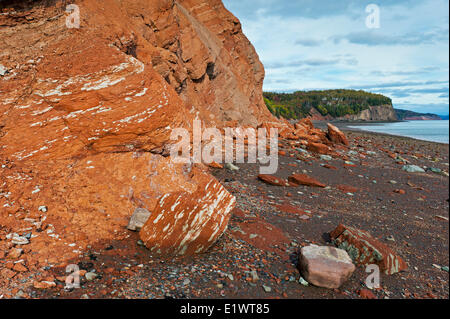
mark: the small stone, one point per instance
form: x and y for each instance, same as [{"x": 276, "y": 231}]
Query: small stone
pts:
[
  {"x": 15, "y": 253},
  {"x": 254, "y": 275},
  {"x": 20, "y": 240},
  {"x": 19, "y": 267},
  {"x": 3, "y": 70},
  {"x": 267, "y": 288},
  {"x": 390, "y": 238},
  {"x": 366, "y": 294},
  {"x": 7, "y": 273},
  {"x": 44, "y": 284},
  {"x": 434, "y": 170},
  {"x": 90, "y": 276},
  {"x": 413, "y": 169},
  {"x": 303, "y": 281},
  {"x": 138, "y": 219},
  {"x": 437, "y": 266},
  {"x": 326, "y": 157},
  {"x": 43, "y": 209},
  {"x": 231, "y": 167}
]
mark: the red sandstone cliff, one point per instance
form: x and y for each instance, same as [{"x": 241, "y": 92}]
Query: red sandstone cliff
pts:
[{"x": 86, "y": 115}]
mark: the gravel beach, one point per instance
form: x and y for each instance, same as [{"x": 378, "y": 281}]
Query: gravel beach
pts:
[{"x": 257, "y": 256}]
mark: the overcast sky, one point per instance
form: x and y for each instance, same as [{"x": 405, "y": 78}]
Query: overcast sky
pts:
[{"x": 326, "y": 44}]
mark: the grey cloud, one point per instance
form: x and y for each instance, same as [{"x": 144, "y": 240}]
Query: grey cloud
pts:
[
  {"x": 374, "y": 38},
  {"x": 398, "y": 84},
  {"x": 311, "y": 63},
  {"x": 308, "y": 42},
  {"x": 306, "y": 8},
  {"x": 436, "y": 108},
  {"x": 423, "y": 70}
]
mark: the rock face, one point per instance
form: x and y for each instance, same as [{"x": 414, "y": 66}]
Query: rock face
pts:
[
  {"x": 196, "y": 46},
  {"x": 325, "y": 266},
  {"x": 374, "y": 113},
  {"x": 86, "y": 116},
  {"x": 364, "y": 249}
]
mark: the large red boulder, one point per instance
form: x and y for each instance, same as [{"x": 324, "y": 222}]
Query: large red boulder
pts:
[{"x": 184, "y": 223}]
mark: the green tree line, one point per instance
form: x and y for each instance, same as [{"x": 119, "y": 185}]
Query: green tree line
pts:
[{"x": 336, "y": 103}]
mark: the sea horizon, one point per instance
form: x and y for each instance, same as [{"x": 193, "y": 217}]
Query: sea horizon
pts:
[{"x": 431, "y": 131}]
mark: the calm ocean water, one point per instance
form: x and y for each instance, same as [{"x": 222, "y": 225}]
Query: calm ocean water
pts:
[{"x": 435, "y": 131}]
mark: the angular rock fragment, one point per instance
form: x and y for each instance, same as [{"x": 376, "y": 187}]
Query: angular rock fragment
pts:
[
  {"x": 335, "y": 135},
  {"x": 325, "y": 266},
  {"x": 318, "y": 148},
  {"x": 364, "y": 249},
  {"x": 44, "y": 284},
  {"x": 303, "y": 179},
  {"x": 231, "y": 167},
  {"x": 273, "y": 180},
  {"x": 138, "y": 219}
]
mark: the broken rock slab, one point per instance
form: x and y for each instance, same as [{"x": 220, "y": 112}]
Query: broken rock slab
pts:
[
  {"x": 365, "y": 250},
  {"x": 138, "y": 219},
  {"x": 272, "y": 180},
  {"x": 303, "y": 179},
  {"x": 325, "y": 266},
  {"x": 335, "y": 135}
]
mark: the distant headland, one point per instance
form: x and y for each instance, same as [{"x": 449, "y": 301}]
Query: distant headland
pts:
[{"x": 340, "y": 105}]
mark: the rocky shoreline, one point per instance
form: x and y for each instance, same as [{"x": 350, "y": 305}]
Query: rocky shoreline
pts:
[
  {"x": 345, "y": 127},
  {"x": 257, "y": 257},
  {"x": 87, "y": 118}
]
